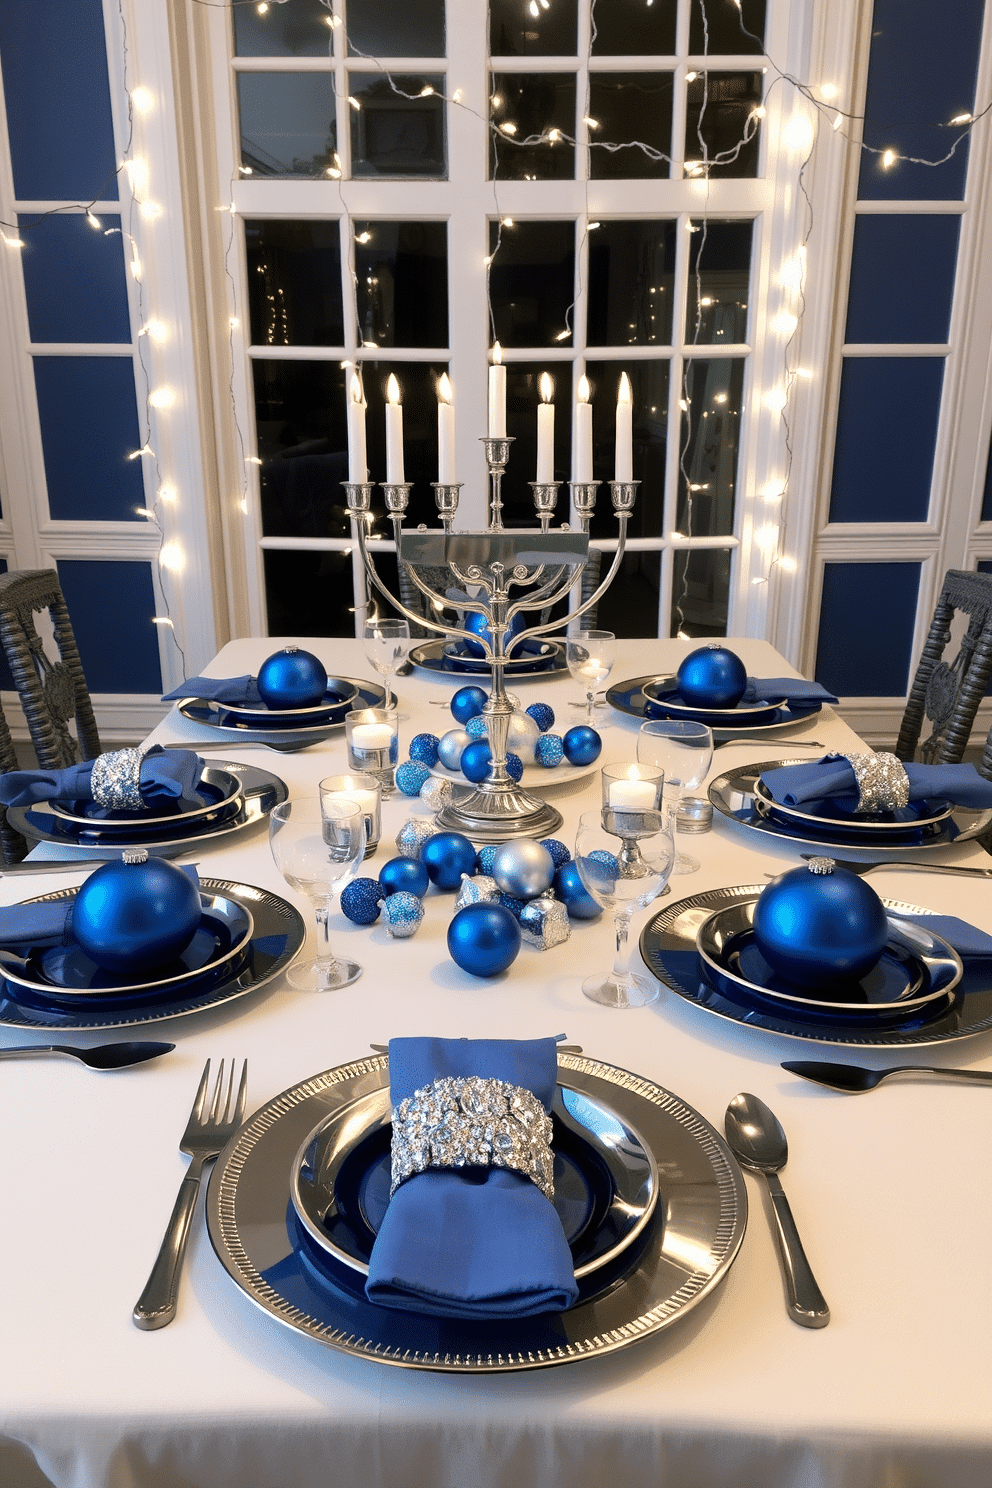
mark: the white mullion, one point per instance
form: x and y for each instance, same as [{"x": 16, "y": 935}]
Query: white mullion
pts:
[
  {"x": 881, "y": 207},
  {"x": 853, "y": 349},
  {"x": 81, "y": 348}
]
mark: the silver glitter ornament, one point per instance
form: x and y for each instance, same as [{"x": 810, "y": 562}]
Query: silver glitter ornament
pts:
[
  {"x": 522, "y": 737},
  {"x": 402, "y": 913},
  {"x": 523, "y": 868},
  {"x": 478, "y": 890},
  {"x": 452, "y": 746},
  {"x": 544, "y": 922},
  {"x": 435, "y": 793},
  {"x": 412, "y": 835}
]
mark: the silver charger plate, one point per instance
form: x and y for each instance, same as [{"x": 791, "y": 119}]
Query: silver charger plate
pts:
[
  {"x": 430, "y": 657},
  {"x": 343, "y": 1223},
  {"x": 229, "y": 786},
  {"x": 279, "y": 933},
  {"x": 528, "y": 661},
  {"x": 733, "y": 796},
  {"x": 261, "y": 790},
  {"x": 668, "y": 949},
  {"x": 628, "y": 697},
  {"x": 743, "y": 715},
  {"x": 685, "y": 1250},
  {"x": 211, "y": 715},
  {"x": 766, "y": 805},
  {"x": 329, "y": 710}
]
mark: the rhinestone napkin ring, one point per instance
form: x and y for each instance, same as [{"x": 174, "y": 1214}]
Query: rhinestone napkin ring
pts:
[
  {"x": 115, "y": 780},
  {"x": 456, "y": 1122},
  {"x": 882, "y": 781}
]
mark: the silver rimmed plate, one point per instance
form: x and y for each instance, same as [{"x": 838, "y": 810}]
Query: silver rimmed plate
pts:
[
  {"x": 733, "y": 796},
  {"x": 662, "y": 700},
  {"x": 668, "y": 948},
  {"x": 431, "y": 657},
  {"x": 261, "y": 790},
  {"x": 684, "y": 1251},
  {"x": 628, "y": 697},
  {"x": 279, "y": 931},
  {"x": 218, "y": 718},
  {"x": 544, "y": 656},
  {"x": 916, "y": 815},
  {"x": 339, "y": 697},
  {"x": 606, "y": 1179},
  {"x": 223, "y": 798}
]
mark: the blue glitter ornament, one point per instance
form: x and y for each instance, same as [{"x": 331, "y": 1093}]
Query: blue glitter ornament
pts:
[
  {"x": 508, "y": 901},
  {"x": 451, "y": 747},
  {"x": 292, "y": 678},
  {"x": 404, "y": 875},
  {"x": 467, "y": 702},
  {"x": 484, "y": 858},
  {"x": 423, "y": 748},
  {"x": 131, "y": 916},
  {"x": 412, "y": 835},
  {"x": 570, "y": 890},
  {"x": 559, "y": 852},
  {"x": 514, "y": 766},
  {"x": 543, "y": 716},
  {"x": 477, "y": 625},
  {"x": 712, "y": 677},
  {"x": 549, "y": 751},
  {"x": 403, "y": 914},
  {"x": 582, "y": 745},
  {"x": 817, "y": 925},
  {"x": 476, "y": 760},
  {"x": 360, "y": 900},
  {"x": 410, "y": 776},
  {"x": 446, "y": 856},
  {"x": 476, "y": 727},
  {"x": 483, "y": 939}
]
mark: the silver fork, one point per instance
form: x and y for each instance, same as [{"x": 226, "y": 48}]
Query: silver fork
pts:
[
  {"x": 206, "y": 1133},
  {"x": 862, "y": 868}
]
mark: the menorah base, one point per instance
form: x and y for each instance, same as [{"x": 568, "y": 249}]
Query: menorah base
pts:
[{"x": 497, "y": 815}]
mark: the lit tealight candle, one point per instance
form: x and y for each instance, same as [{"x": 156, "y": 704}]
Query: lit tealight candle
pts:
[
  {"x": 546, "y": 432},
  {"x": 624, "y": 463},
  {"x": 632, "y": 795},
  {"x": 582, "y": 445},
  {"x": 497, "y": 395},
  {"x": 394, "y": 433},
  {"x": 358, "y": 465},
  {"x": 371, "y": 736},
  {"x": 445, "y": 433}
]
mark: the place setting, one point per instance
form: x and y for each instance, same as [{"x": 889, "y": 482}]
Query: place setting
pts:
[{"x": 535, "y": 656}]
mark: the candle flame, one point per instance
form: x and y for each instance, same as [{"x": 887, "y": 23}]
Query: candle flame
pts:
[
  {"x": 583, "y": 394},
  {"x": 624, "y": 395},
  {"x": 393, "y": 389},
  {"x": 355, "y": 389},
  {"x": 547, "y": 388},
  {"x": 633, "y": 773},
  {"x": 497, "y": 354},
  {"x": 444, "y": 393}
]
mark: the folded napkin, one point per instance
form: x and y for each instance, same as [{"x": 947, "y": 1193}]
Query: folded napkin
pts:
[
  {"x": 35, "y": 927},
  {"x": 242, "y": 690},
  {"x": 168, "y": 777},
  {"x": 798, "y": 693},
  {"x": 830, "y": 781},
  {"x": 971, "y": 944},
  {"x": 473, "y": 1242}
]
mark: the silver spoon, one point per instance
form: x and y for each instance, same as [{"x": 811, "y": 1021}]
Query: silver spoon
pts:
[
  {"x": 852, "y": 1078},
  {"x": 758, "y": 1142},
  {"x": 100, "y": 1056}
]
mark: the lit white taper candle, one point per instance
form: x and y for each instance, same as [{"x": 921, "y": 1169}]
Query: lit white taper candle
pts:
[
  {"x": 624, "y": 461},
  {"x": 358, "y": 465},
  {"x": 394, "y": 433},
  {"x": 546, "y": 432},
  {"x": 445, "y": 433},
  {"x": 582, "y": 435},
  {"x": 497, "y": 395}
]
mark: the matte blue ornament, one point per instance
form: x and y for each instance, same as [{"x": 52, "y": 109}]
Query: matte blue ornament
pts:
[
  {"x": 484, "y": 858},
  {"x": 451, "y": 748},
  {"x": 483, "y": 939},
  {"x": 360, "y": 900},
  {"x": 410, "y": 776},
  {"x": 549, "y": 751},
  {"x": 423, "y": 748},
  {"x": 446, "y": 856},
  {"x": 404, "y": 875},
  {"x": 712, "y": 677},
  {"x": 132, "y": 915},
  {"x": 477, "y": 625},
  {"x": 476, "y": 727},
  {"x": 559, "y": 852},
  {"x": 819, "y": 924},
  {"x": 543, "y": 716},
  {"x": 403, "y": 914},
  {"x": 570, "y": 890},
  {"x": 476, "y": 760},
  {"x": 582, "y": 745},
  {"x": 467, "y": 702},
  {"x": 514, "y": 766},
  {"x": 292, "y": 678}
]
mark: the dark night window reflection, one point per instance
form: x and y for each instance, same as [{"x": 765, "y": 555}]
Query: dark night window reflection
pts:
[
  {"x": 632, "y": 109},
  {"x": 395, "y": 135},
  {"x": 402, "y": 283},
  {"x": 710, "y": 435},
  {"x": 631, "y": 273},
  {"x": 532, "y": 281},
  {"x": 395, "y": 28},
  {"x": 701, "y": 591},
  {"x": 296, "y": 28},
  {"x": 629, "y": 28},
  {"x": 309, "y": 594},
  {"x": 536, "y": 29},
  {"x": 529, "y": 105},
  {"x": 522, "y": 398},
  {"x": 720, "y": 106},
  {"x": 649, "y": 388},
  {"x": 720, "y": 262},
  {"x": 630, "y": 605},
  {"x": 288, "y": 125},
  {"x": 722, "y": 29},
  {"x": 294, "y": 283}
]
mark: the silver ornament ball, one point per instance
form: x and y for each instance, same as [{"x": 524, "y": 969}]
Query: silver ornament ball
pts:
[
  {"x": 523, "y": 868},
  {"x": 412, "y": 835},
  {"x": 451, "y": 747},
  {"x": 435, "y": 793},
  {"x": 402, "y": 913},
  {"x": 523, "y": 736}
]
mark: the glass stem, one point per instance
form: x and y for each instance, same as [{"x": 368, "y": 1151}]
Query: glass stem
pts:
[
  {"x": 590, "y": 704},
  {"x": 621, "y": 961},
  {"x": 326, "y": 965}
]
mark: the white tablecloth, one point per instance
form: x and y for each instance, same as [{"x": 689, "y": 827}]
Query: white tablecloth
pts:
[{"x": 891, "y": 1191}]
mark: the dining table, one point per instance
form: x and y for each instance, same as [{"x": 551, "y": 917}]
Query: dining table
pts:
[{"x": 891, "y": 1192}]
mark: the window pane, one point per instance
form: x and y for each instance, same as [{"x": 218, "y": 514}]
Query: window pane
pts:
[
  {"x": 719, "y": 270},
  {"x": 630, "y": 605},
  {"x": 858, "y": 660},
  {"x": 522, "y": 398},
  {"x": 724, "y": 122},
  {"x": 395, "y": 28},
  {"x": 700, "y": 591},
  {"x": 294, "y": 283},
  {"x": 649, "y": 389},
  {"x": 710, "y": 437},
  {"x": 886, "y": 435},
  {"x": 309, "y": 594},
  {"x": 528, "y": 104},
  {"x": 530, "y": 28},
  {"x": 631, "y": 269},
  {"x": 629, "y": 107},
  {"x": 75, "y": 282},
  {"x": 987, "y": 495},
  {"x": 402, "y": 274},
  {"x": 722, "y": 30},
  {"x": 902, "y": 278},
  {"x": 89, "y": 430},
  {"x": 418, "y": 392},
  {"x": 295, "y": 28},
  {"x": 629, "y": 28},
  {"x": 392, "y": 135},
  {"x": 112, "y": 605},
  {"x": 531, "y": 281},
  {"x": 287, "y": 122},
  {"x": 301, "y": 429}
]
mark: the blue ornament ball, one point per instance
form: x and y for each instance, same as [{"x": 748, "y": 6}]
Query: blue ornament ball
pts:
[
  {"x": 512, "y": 904},
  {"x": 360, "y": 900},
  {"x": 815, "y": 928},
  {"x": 129, "y": 917},
  {"x": 467, "y": 702},
  {"x": 514, "y": 766},
  {"x": 446, "y": 856},
  {"x": 402, "y": 913},
  {"x": 543, "y": 716},
  {"x": 292, "y": 678},
  {"x": 423, "y": 749},
  {"x": 410, "y": 776},
  {"x": 477, "y": 625},
  {"x": 475, "y": 760},
  {"x": 712, "y": 677},
  {"x": 404, "y": 875},
  {"x": 476, "y": 727},
  {"x": 559, "y": 852},
  {"x": 549, "y": 751},
  {"x": 484, "y": 858},
  {"x": 483, "y": 939},
  {"x": 570, "y": 889},
  {"x": 451, "y": 747},
  {"x": 582, "y": 745}
]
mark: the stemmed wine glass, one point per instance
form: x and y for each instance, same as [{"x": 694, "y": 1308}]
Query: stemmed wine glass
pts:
[
  {"x": 623, "y": 873},
  {"x": 684, "y": 750},
  {"x": 386, "y": 643},
  {"x": 318, "y": 847},
  {"x": 590, "y": 655}
]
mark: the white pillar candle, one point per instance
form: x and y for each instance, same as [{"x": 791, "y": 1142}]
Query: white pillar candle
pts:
[
  {"x": 632, "y": 795},
  {"x": 358, "y": 466},
  {"x": 624, "y": 462},
  {"x": 445, "y": 433},
  {"x": 371, "y": 736},
  {"x": 546, "y": 432},
  {"x": 497, "y": 395},
  {"x": 582, "y": 435},
  {"x": 394, "y": 433},
  {"x": 366, "y": 801}
]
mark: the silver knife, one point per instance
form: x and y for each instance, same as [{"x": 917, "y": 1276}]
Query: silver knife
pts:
[{"x": 61, "y": 865}]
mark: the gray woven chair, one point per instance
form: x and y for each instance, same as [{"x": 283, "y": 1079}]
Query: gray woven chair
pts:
[
  {"x": 13, "y": 847},
  {"x": 51, "y": 693},
  {"x": 948, "y": 693}
]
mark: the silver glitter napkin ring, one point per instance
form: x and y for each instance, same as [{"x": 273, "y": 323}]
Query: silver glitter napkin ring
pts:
[
  {"x": 882, "y": 782},
  {"x": 455, "y": 1122},
  {"x": 115, "y": 780}
]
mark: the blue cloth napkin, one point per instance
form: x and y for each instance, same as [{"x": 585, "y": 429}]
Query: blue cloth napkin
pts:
[
  {"x": 970, "y": 943},
  {"x": 830, "y": 781},
  {"x": 168, "y": 777},
  {"x": 472, "y": 1242},
  {"x": 798, "y": 693},
  {"x": 242, "y": 690},
  {"x": 33, "y": 927}
]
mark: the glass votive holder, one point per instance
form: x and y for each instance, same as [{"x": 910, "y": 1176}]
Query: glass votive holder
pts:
[
  {"x": 630, "y": 793},
  {"x": 373, "y": 737},
  {"x": 365, "y": 791}
]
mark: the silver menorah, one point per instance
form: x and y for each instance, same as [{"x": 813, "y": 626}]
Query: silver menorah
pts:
[{"x": 545, "y": 566}]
